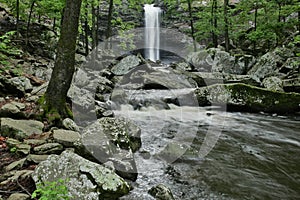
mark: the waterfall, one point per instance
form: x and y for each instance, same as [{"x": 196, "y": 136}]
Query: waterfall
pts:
[{"x": 152, "y": 29}]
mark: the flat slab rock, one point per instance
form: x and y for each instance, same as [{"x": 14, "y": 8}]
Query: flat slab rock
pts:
[
  {"x": 84, "y": 179},
  {"x": 20, "y": 129},
  {"x": 250, "y": 98},
  {"x": 66, "y": 137}
]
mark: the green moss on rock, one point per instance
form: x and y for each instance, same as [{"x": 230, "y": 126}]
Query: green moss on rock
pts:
[{"x": 249, "y": 98}]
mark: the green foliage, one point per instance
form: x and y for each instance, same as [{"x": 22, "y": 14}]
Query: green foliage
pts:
[
  {"x": 56, "y": 190},
  {"x": 297, "y": 40},
  {"x": 6, "y": 46},
  {"x": 13, "y": 150}
]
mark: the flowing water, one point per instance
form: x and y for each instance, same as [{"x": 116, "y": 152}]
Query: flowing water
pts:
[
  {"x": 253, "y": 156},
  {"x": 152, "y": 32}
]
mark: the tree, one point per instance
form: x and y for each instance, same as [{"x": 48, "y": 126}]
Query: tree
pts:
[
  {"x": 29, "y": 20},
  {"x": 109, "y": 20},
  {"x": 226, "y": 31},
  {"x": 18, "y": 17},
  {"x": 214, "y": 22},
  {"x": 192, "y": 22},
  {"x": 54, "y": 102}
]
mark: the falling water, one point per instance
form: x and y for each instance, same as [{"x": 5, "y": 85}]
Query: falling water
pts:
[{"x": 152, "y": 35}]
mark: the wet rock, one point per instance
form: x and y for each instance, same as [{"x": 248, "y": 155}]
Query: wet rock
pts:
[
  {"x": 111, "y": 139},
  {"x": 125, "y": 65},
  {"x": 273, "y": 83},
  {"x": 20, "y": 129},
  {"x": 19, "y": 196},
  {"x": 157, "y": 99},
  {"x": 122, "y": 132},
  {"x": 69, "y": 124},
  {"x": 85, "y": 179},
  {"x": 124, "y": 164},
  {"x": 101, "y": 108},
  {"x": 66, "y": 137},
  {"x": 161, "y": 192},
  {"x": 48, "y": 148},
  {"x": 172, "y": 152},
  {"x": 250, "y": 98},
  {"x": 161, "y": 79}
]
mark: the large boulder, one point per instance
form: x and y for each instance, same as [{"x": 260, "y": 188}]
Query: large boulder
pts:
[
  {"x": 226, "y": 63},
  {"x": 125, "y": 65},
  {"x": 269, "y": 64},
  {"x": 202, "y": 60},
  {"x": 113, "y": 140},
  {"x": 158, "y": 99},
  {"x": 154, "y": 77},
  {"x": 81, "y": 97},
  {"x": 83, "y": 178},
  {"x": 20, "y": 129},
  {"x": 216, "y": 60},
  {"x": 250, "y": 98}
]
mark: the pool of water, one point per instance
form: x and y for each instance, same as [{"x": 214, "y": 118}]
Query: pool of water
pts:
[{"x": 203, "y": 153}]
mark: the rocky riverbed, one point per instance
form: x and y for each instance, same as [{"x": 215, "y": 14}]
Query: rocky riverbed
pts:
[
  {"x": 210, "y": 78},
  {"x": 108, "y": 149}
]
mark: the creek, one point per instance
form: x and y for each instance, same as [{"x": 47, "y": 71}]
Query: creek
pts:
[{"x": 254, "y": 156}]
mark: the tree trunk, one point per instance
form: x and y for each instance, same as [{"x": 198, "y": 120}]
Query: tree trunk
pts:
[
  {"x": 109, "y": 18},
  {"x": 54, "y": 24},
  {"x": 226, "y": 32},
  {"x": 18, "y": 17},
  {"x": 214, "y": 23},
  {"x": 28, "y": 21},
  {"x": 192, "y": 23},
  {"x": 298, "y": 20},
  {"x": 64, "y": 67},
  {"x": 86, "y": 30},
  {"x": 94, "y": 27}
]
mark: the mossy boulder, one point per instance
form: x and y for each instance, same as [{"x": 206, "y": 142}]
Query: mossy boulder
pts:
[
  {"x": 270, "y": 64},
  {"x": 113, "y": 140},
  {"x": 83, "y": 178},
  {"x": 248, "y": 98}
]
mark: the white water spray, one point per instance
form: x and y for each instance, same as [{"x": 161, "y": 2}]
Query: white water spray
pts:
[{"x": 152, "y": 32}]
